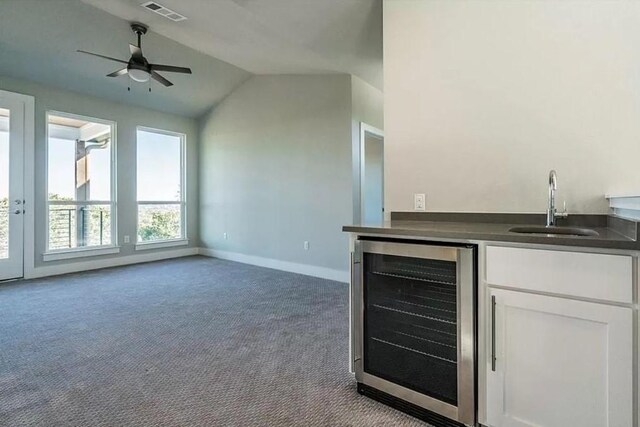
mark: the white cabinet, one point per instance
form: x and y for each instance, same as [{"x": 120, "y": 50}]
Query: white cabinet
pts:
[{"x": 558, "y": 362}]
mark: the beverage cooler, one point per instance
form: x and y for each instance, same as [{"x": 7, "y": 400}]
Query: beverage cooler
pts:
[{"x": 413, "y": 328}]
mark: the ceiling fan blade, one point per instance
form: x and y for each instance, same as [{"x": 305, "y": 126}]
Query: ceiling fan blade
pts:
[
  {"x": 170, "y": 68},
  {"x": 104, "y": 57},
  {"x": 136, "y": 52},
  {"x": 161, "y": 79},
  {"x": 118, "y": 72}
]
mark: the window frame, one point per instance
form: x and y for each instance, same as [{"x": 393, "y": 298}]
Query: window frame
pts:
[
  {"x": 84, "y": 251},
  {"x": 179, "y": 241}
]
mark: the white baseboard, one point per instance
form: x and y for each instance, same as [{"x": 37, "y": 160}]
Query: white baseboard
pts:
[
  {"x": 309, "y": 270},
  {"x": 73, "y": 267}
]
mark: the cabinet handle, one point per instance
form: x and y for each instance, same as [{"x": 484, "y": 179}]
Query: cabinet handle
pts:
[{"x": 493, "y": 333}]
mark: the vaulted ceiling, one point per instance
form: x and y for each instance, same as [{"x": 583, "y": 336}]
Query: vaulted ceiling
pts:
[
  {"x": 274, "y": 36},
  {"x": 39, "y": 39},
  {"x": 223, "y": 41}
]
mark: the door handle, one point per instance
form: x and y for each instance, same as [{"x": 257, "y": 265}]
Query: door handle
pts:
[
  {"x": 18, "y": 201},
  {"x": 17, "y": 212},
  {"x": 493, "y": 333}
]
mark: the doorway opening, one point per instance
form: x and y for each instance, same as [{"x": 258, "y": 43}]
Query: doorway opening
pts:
[{"x": 371, "y": 175}]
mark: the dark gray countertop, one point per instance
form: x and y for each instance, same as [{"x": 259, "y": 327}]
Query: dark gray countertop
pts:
[{"x": 614, "y": 232}]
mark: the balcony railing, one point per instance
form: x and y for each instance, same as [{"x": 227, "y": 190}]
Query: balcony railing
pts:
[
  {"x": 4, "y": 230},
  {"x": 92, "y": 229}
]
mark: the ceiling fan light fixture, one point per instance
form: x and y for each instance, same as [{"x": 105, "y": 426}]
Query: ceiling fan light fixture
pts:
[{"x": 139, "y": 75}]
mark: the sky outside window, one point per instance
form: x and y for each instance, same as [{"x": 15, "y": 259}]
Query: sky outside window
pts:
[
  {"x": 159, "y": 166},
  {"x": 61, "y": 170}
]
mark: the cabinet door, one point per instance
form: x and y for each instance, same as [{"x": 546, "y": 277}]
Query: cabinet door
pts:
[{"x": 559, "y": 362}]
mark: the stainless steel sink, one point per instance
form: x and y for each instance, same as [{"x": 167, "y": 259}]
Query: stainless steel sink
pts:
[{"x": 554, "y": 230}]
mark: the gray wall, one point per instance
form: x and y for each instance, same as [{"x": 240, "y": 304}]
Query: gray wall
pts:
[
  {"x": 127, "y": 118},
  {"x": 483, "y": 98},
  {"x": 275, "y": 170}
]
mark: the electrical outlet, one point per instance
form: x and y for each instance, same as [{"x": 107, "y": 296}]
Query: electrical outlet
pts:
[
  {"x": 306, "y": 245},
  {"x": 419, "y": 202},
  {"x": 127, "y": 239},
  {"x": 226, "y": 236}
]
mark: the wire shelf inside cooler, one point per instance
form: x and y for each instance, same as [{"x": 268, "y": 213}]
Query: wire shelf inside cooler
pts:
[{"x": 436, "y": 271}]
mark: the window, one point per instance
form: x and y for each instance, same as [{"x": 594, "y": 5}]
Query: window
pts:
[
  {"x": 160, "y": 186},
  {"x": 80, "y": 182}
]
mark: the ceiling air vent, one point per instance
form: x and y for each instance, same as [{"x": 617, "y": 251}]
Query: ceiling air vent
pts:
[{"x": 164, "y": 11}]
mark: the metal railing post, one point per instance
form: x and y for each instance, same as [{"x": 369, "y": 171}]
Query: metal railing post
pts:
[
  {"x": 83, "y": 227},
  {"x": 69, "y": 226}
]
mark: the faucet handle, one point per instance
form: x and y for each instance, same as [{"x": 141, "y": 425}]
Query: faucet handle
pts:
[{"x": 564, "y": 213}]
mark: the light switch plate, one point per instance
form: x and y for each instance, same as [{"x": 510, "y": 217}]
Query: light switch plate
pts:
[{"x": 419, "y": 202}]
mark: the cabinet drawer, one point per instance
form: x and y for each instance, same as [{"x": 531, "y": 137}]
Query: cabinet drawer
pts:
[{"x": 598, "y": 276}]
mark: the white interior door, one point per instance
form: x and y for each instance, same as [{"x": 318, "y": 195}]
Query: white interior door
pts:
[{"x": 11, "y": 187}]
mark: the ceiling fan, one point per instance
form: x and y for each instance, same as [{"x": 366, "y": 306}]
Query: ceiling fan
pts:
[{"x": 138, "y": 68}]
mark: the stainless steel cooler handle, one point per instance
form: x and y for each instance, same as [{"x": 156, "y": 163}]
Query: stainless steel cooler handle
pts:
[
  {"x": 356, "y": 259},
  {"x": 466, "y": 318}
]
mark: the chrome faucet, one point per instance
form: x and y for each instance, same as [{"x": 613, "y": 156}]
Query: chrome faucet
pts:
[{"x": 552, "y": 212}]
